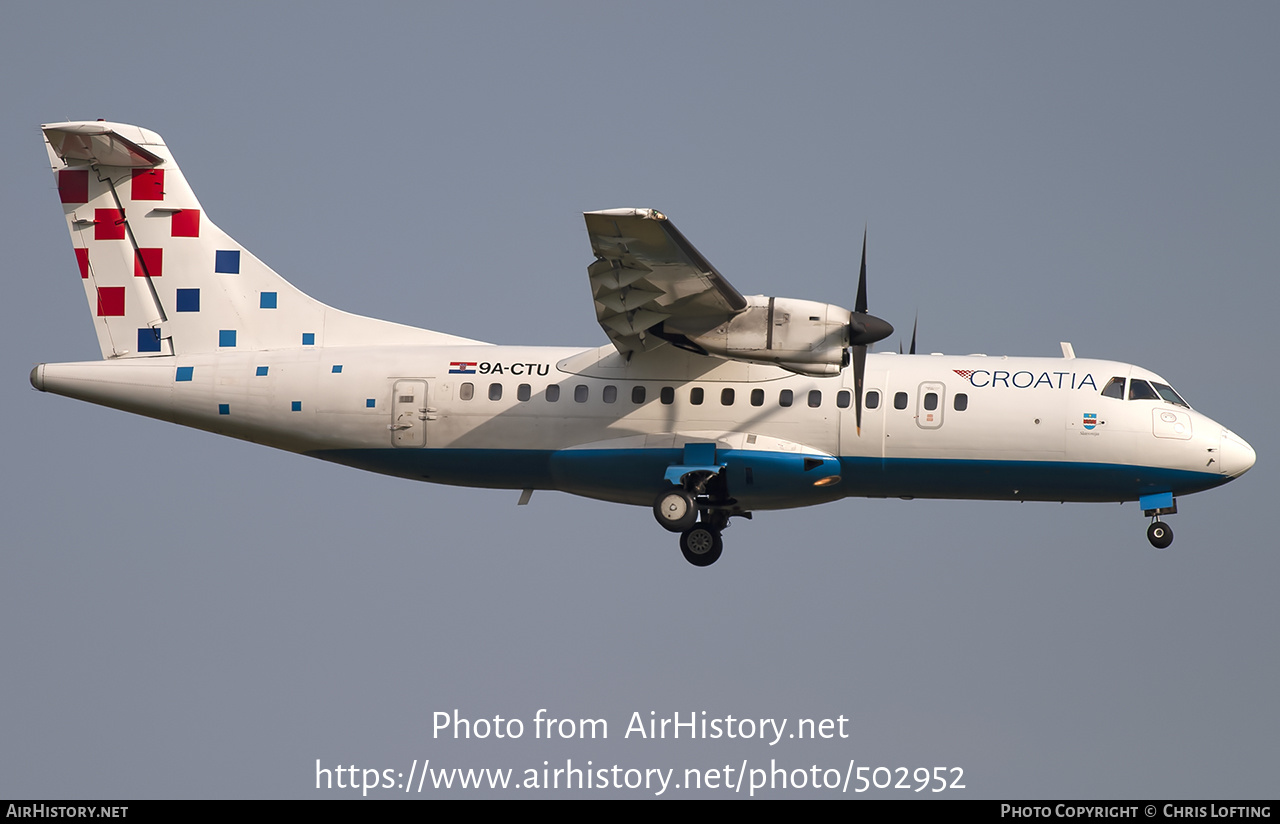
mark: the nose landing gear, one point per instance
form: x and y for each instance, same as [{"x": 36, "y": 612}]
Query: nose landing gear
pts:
[
  {"x": 1159, "y": 534},
  {"x": 1153, "y": 506}
]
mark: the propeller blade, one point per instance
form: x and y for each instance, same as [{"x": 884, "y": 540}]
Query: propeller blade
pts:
[
  {"x": 913, "y": 335},
  {"x": 865, "y": 328},
  {"x": 859, "y": 368},
  {"x": 861, "y": 306}
]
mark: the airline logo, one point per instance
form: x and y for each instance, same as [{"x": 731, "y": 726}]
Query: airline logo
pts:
[
  {"x": 1027, "y": 380},
  {"x": 462, "y": 367}
]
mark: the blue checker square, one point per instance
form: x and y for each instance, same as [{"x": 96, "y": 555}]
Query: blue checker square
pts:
[
  {"x": 227, "y": 262},
  {"x": 148, "y": 339},
  {"x": 226, "y": 337},
  {"x": 296, "y": 406},
  {"x": 262, "y": 371},
  {"x": 337, "y": 367},
  {"x": 188, "y": 300},
  {"x": 370, "y": 403},
  {"x": 224, "y": 409},
  {"x": 308, "y": 338},
  {"x": 267, "y": 300},
  {"x": 184, "y": 373}
]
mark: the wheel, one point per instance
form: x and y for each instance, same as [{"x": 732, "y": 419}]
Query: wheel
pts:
[
  {"x": 701, "y": 545},
  {"x": 675, "y": 510},
  {"x": 1159, "y": 534}
]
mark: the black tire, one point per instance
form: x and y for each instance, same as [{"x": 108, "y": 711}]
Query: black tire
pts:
[
  {"x": 1159, "y": 534},
  {"x": 701, "y": 545},
  {"x": 676, "y": 510}
]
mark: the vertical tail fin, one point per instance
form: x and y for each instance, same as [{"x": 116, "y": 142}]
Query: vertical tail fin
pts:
[{"x": 160, "y": 278}]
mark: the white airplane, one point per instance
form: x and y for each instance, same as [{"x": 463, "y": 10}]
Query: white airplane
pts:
[{"x": 705, "y": 404}]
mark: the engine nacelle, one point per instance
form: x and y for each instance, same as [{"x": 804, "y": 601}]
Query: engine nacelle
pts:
[{"x": 803, "y": 336}]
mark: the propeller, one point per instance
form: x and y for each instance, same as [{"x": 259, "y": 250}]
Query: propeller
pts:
[
  {"x": 864, "y": 329},
  {"x": 913, "y": 336}
]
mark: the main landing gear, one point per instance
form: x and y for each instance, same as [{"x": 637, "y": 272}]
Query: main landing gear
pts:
[
  {"x": 701, "y": 545},
  {"x": 677, "y": 510}
]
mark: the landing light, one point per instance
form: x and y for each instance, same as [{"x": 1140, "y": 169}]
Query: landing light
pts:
[{"x": 827, "y": 481}]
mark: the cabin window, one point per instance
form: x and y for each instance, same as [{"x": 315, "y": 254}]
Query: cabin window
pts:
[
  {"x": 843, "y": 398},
  {"x": 610, "y": 394},
  {"x": 495, "y": 391},
  {"x": 873, "y": 399},
  {"x": 695, "y": 395},
  {"x": 784, "y": 398},
  {"x": 757, "y": 397},
  {"x": 466, "y": 392},
  {"x": 553, "y": 393},
  {"x": 667, "y": 395},
  {"x": 726, "y": 397},
  {"x": 815, "y": 398},
  {"x": 580, "y": 393},
  {"x": 637, "y": 394},
  {"x": 523, "y": 392},
  {"x": 960, "y": 402},
  {"x": 900, "y": 400},
  {"x": 1114, "y": 389},
  {"x": 930, "y": 401},
  {"x": 1142, "y": 391}
]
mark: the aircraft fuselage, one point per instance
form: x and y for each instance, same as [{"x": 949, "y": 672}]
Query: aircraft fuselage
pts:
[{"x": 589, "y": 423}]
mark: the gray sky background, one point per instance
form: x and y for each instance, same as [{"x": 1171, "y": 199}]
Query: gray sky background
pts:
[{"x": 183, "y": 615}]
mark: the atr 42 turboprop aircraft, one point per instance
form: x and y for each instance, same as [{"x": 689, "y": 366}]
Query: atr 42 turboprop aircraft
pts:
[{"x": 705, "y": 405}]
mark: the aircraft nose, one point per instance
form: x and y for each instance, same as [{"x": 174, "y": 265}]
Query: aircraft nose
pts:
[{"x": 1235, "y": 454}]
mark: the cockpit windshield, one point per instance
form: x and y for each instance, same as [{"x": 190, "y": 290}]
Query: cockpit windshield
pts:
[
  {"x": 1166, "y": 392},
  {"x": 1140, "y": 390}
]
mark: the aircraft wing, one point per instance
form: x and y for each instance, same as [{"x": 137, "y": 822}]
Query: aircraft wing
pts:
[{"x": 645, "y": 274}]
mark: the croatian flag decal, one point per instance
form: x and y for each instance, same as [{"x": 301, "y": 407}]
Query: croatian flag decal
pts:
[{"x": 462, "y": 367}]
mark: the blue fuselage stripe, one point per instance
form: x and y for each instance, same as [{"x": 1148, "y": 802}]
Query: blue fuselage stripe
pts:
[{"x": 770, "y": 480}]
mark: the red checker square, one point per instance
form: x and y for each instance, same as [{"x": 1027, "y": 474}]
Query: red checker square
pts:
[
  {"x": 108, "y": 224},
  {"x": 148, "y": 184},
  {"x": 186, "y": 223},
  {"x": 73, "y": 185},
  {"x": 148, "y": 262},
  {"x": 82, "y": 260},
  {"x": 110, "y": 301}
]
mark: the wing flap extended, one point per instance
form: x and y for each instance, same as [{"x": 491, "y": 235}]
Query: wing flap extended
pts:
[{"x": 645, "y": 273}]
